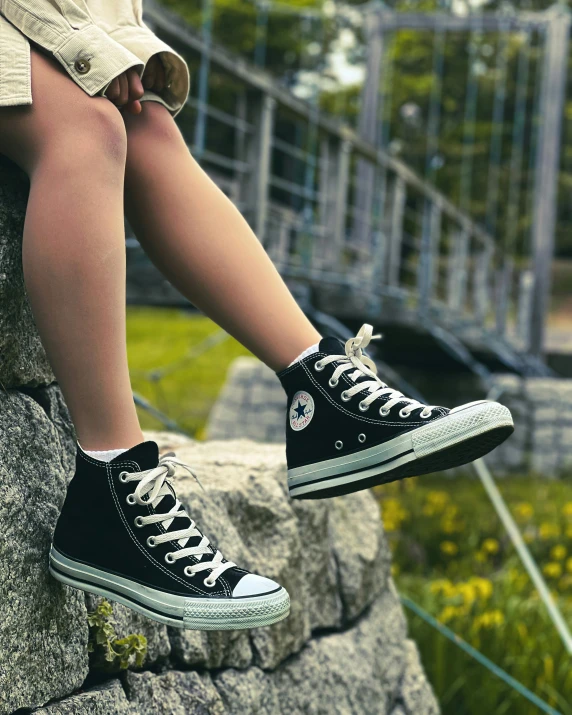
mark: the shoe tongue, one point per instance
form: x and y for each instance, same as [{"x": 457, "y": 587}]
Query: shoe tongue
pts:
[
  {"x": 146, "y": 454},
  {"x": 332, "y": 346}
]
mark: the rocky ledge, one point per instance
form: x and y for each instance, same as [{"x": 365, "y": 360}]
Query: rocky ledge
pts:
[{"x": 344, "y": 648}]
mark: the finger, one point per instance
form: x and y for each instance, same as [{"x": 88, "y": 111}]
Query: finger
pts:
[
  {"x": 149, "y": 75},
  {"x": 134, "y": 107},
  {"x": 112, "y": 92},
  {"x": 124, "y": 91},
  {"x": 135, "y": 86}
]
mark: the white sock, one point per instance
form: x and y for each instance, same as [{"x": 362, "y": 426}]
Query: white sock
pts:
[
  {"x": 105, "y": 455},
  {"x": 308, "y": 351}
]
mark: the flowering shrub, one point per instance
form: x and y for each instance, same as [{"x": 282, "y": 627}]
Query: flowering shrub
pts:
[{"x": 453, "y": 557}]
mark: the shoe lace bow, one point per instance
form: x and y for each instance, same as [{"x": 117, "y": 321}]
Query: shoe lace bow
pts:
[
  {"x": 152, "y": 487},
  {"x": 361, "y": 366}
]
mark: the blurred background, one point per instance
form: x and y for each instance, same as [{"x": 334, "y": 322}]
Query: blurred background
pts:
[{"x": 409, "y": 165}]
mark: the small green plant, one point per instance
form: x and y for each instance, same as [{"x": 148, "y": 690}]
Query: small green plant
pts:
[{"x": 109, "y": 651}]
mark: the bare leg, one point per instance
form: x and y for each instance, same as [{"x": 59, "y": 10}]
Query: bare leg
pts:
[
  {"x": 73, "y": 148},
  {"x": 200, "y": 241}
]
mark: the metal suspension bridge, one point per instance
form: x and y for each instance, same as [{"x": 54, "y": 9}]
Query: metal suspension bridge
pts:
[
  {"x": 322, "y": 180},
  {"x": 347, "y": 190}
]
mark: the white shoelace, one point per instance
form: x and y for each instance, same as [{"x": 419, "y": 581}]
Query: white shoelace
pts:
[
  {"x": 152, "y": 483},
  {"x": 360, "y": 364}
]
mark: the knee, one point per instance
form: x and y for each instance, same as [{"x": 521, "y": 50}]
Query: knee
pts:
[
  {"x": 93, "y": 137},
  {"x": 153, "y": 126}
]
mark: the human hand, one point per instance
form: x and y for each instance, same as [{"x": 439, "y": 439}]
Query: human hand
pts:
[{"x": 126, "y": 90}]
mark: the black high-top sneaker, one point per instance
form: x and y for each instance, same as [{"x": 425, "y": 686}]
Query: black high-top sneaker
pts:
[
  {"x": 347, "y": 430},
  {"x": 123, "y": 534}
]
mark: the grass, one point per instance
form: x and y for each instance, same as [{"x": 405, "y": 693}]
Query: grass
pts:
[
  {"x": 452, "y": 556},
  {"x": 157, "y": 338}
]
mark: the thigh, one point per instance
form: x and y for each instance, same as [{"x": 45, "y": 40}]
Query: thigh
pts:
[{"x": 59, "y": 112}]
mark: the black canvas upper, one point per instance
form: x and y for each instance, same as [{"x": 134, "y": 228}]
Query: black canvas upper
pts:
[
  {"x": 96, "y": 527},
  {"x": 334, "y": 419}
]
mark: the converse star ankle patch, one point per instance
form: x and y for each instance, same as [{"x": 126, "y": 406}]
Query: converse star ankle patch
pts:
[{"x": 301, "y": 410}]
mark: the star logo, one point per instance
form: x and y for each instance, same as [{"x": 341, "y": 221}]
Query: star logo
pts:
[{"x": 301, "y": 410}]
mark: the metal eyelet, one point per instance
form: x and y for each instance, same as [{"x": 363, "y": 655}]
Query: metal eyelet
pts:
[
  {"x": 151, "y": 541},
  {"x": 138, "y": 521},
  {"x": 318, "y": 367},
  {"x": 130, "y": 499},
  {"x": 383, "y": 412},
  {"x": 345, "y": 397},
  {"x": 187, "y": 571},
  {"x": 361, "y": 437},
  {"x": 169, "y": 558},
  {"x": 403, "y": 413},
  {"x": 332, "y": 383},
  {"x": 209, "y": 584},
  {"x": 362, "y": 407},
  {"x": 122, "y": 476},
  {"x": 339, "y": 444}
]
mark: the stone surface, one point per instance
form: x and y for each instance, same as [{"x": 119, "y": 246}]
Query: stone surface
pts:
[
  {"x": 367, "y": 669},
  {"x": 173, "y": 693},
  {"x": 23, "y": 360},
  {"x": 43, "y": 629},
  {"x": 107, "y": 699}
]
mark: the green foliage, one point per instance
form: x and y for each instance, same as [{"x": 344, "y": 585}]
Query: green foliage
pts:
[
  {"x": 452, "y": 556},
  {"x": 108, "y": 651}
]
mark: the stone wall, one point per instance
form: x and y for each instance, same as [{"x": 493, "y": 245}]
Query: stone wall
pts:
[
  {"x": 542, "y": 440},
  {"x": 343, "y": 649}
]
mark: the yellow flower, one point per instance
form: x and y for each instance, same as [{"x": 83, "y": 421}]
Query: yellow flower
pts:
[
  {"x": 480, "y": 557},
  {"x": 491, "y": 546},
  {"x": 449, "y": 548},
  {"x": 558, "y": 552},
  {"x": 489, "y": 619},
  {"x": 438, "y": 500},
  {"x": 450, "y": 612},
  {"x": 553, "y": 569},
  {"x": 567, "y": 509},
  {"x": 483, "y": 586},
  {"x": 448, "y": 526},
  {"x": 468, "y": 593},
  {"x": 523, "y": 511},
  {"x": 442, "y": 586},
  {"x": 549, "y": 531},
  {"x": 393, "y": 514}
]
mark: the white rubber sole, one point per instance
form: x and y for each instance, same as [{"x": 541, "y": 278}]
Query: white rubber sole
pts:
[
  {"x": 465, "y": 434},
  {"x": 200, "y": 614}
]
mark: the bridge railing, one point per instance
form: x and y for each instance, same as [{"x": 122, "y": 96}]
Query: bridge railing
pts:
[{"x": 331, "y": 208}]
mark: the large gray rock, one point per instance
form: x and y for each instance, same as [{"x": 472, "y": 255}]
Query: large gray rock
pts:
[
  {"x": 23, "y": 360},
  {"x": 43, "y": 629},
  {"x": 342, "y": 650},
  {"x": 365, "y": 670}
]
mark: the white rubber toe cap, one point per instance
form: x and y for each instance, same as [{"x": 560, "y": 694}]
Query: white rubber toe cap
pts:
[{"x": 253, "y": 585}]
